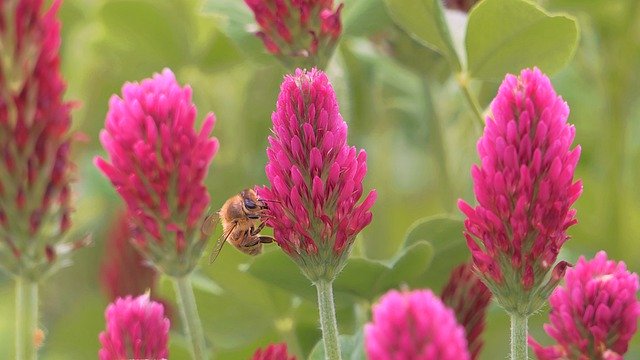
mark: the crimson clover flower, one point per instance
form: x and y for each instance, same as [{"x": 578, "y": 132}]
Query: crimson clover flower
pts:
[
  {"x": 298, "y": 32},
  {"x": 595, "y": 314},
  {"x": 414, "y": 325},
  {"x": 273, "y": 352},
  {"x": 35, "y": 140},
  {"x": 316, "y": 178},
  {"x": 136, "y": 328},
  {"x": 461, "y": 5},
  {"x": 525, "y": 189},
  {"x": 469, "y": 298},
  {"x": 157, "y": 163}
]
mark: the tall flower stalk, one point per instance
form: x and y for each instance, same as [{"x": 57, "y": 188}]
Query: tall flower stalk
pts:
[
  {"x": 316, "y": 187},
  {"x": 157, "y": 163},
  {"x": 35, "y": 169},
  {"x": 525, "y": 190}
]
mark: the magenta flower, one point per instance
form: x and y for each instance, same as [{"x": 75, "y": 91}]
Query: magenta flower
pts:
[
  {"x": 158, "y": 164},
  {"x": 525, "y": 190},
  {"x": 298, "y": 32},
  {"x": 136, "y": 329},
  {"x": 414, "y": 325},
  {"x": 273, "y": 352},
  {"x": 469, "y": 298},
  {"x": 35, "y": 140},
  {"x": 595, "y": 315},
  {"x": 316, "y": 178}
]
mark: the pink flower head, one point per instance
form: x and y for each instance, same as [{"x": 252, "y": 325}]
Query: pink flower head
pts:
[
  {"x": 157, "y": 163},
  {"x": 273, "y": 352},
  {"x": 414, "y": 325},
  {"x": 316, "y": 178},
  {"x": 525, "y": 190},
  {"x": 469, "y": 298},
  {"x": 595, "y": 315},
  {"x": 35, "y": 168},
  {"x": 298, "y": 32},
  {"x": 136, "y": 329}
]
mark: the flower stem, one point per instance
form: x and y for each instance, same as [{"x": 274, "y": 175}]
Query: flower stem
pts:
[
  {"x": 519, "y": 337},
  {"x": 189, "y": 317},
  {"x": 328, "y": 319},
  {"x": 463, "y": 82},
  {"x": 26, "y": 318}
]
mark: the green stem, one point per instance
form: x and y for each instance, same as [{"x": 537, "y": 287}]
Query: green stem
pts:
[
  {"x": 26, "y": 318},
  {"x": 519, "y": 337},
  {"x": 328, "y": 319},
  {"x": 463, "y": 82},
  {"x": 438, "y": 141},
  {"x": 190, "y": 318}
]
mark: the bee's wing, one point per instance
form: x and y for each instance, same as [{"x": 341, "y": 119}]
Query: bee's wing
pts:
[
  {"x": 219, "y": 244},
  {"x": 209, "y": 224}
]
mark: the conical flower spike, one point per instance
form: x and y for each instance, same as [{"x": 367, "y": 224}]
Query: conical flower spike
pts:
[
  {"x": 316, "y": 178},
  {"x": 157, "y": 163},
  {"x": 525, "y": 190}
]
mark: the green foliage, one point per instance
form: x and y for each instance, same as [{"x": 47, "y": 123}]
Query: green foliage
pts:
[
  {"x": 394, "y": 74},
  {"x": 507, "y": 36},
  {"x": 361, "y": 279},
  {"x": 351, "y": 348},
  {"x": 424, "y": 21}
]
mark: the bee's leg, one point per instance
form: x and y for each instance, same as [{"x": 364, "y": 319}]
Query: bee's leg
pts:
[
  {"x": 256, "y": 231},
  {"x": 265, "y": 239}
]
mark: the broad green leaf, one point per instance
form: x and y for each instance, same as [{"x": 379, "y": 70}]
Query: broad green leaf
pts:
[
  {"x": 444, "y": 233},
  {"x": 507, "y": 36},
  {"x": 235, "y": 19},
  {"x": 424, "y": 21},
  {"x": 361, "y": 278},
  {"x": 364, "y": 17},
  {"x": 351, "y": 348}
]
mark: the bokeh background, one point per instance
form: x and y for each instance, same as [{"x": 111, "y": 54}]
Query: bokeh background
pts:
[{"x": 401, "y": 105}]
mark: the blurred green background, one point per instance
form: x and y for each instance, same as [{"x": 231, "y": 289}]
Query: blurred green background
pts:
[{"x": 401, "y": 105}]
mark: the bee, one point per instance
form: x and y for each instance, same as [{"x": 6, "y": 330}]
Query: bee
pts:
[{"x": 242, "y": 218}]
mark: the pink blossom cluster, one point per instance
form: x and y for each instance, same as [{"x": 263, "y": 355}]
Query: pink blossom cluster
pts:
[
  {"x": 316, "y": 178},
  {"x": 595, "y": 314},
  {"x": 35, "y": 168},
  {"x": 136, "y": 328},
  {"x": 414, "y": 325},
  {"x": 273, "y": 352},
  {"x": 525, "y": 191},
  {"x": 469, "y": 299},
  {"x": 157, "y": 163},
  {"x": 298, "y": 29}
]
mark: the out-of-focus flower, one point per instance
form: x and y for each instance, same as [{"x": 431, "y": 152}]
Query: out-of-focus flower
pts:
[
  {"x": 525, "y": 190},
  {"x": 158, "y": 164},
  {"x": 124, "y": 271},
  {"x": 469, "y": 298},
  {"x": 136, "y": 329},
  {"x": 414, "y": 325},
  {"x": 461, "y": 5},
  {"x": 273, "y": 352},
  {"x": 316, "y": 178},
  {"x": 35, "y": 169},
  {"x": 595, "y": 314},
  {"x": 299, "y": 32}
]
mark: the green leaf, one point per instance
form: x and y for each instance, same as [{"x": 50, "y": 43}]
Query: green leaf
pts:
[
  {"x": 361, "y": 278},
  {"x": 507, "y": 36},
  {"x": 444, "y": 233},
  {"x": 424, "y": 21},
  {"x": 364, "y": 17},
  {"x": 351, "y": 348},
  {"x": 235, "y": 19}
]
